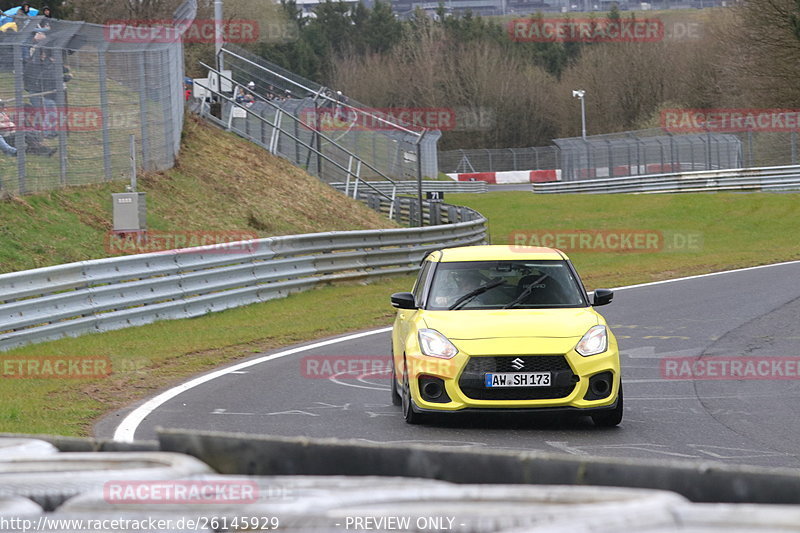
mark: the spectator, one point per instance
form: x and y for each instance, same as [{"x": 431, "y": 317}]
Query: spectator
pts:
[
  {"x": 7, "y": 127},
  {"x": 7, "y": 34},
  {"x": 244, "y": 96},
  {"x": 41, "y": 77},
  {"x": 187, "y": 88},
  {"x": 25, "y": 10},
  {"x": 46, "y": 12},
  {"x": 33, "y": 139}
]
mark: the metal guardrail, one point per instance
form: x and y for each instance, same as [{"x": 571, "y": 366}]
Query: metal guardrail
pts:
[
  {"x": 747, "y": 179},
  {"x": 410, "y": 187},
  {"x": 106, "y": 294}
]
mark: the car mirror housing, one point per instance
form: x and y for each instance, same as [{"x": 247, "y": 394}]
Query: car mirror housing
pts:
[
  {"x": 602, "y": 297},
  {"x": 403, "y": 300}
]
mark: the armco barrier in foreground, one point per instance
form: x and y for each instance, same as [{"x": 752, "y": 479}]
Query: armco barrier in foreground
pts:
[
  {"x": 271, "y": 455},
  {"x": 747, "y": 179},
  {"x": 106, "y": 294}
]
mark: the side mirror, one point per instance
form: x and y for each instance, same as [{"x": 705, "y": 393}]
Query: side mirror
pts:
[
  {"x": 403, "y": 300},
  {"x": 602, "y": 297}
]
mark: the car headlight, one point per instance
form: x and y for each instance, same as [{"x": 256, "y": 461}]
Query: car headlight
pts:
[
  {"x": 594, "y": 342},
  {"x": 433, "y": 343}
]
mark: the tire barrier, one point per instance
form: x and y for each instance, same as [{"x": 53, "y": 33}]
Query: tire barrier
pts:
[
  {"x": 12, "y": 447},
  {"x": 13, "y": 506},
  {"x": 50, "y": 480}
]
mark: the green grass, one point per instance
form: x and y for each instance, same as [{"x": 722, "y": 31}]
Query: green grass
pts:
[
  {"x": 220, "y": 183},
  {"x": 736, "y": 230},
  {"x": 148, "y": 358}
]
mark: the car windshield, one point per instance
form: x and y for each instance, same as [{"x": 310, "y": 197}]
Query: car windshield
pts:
[{"x": 504, "y": 284}]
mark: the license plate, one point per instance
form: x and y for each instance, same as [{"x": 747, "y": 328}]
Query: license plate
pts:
[{"x": 518, "y": 379}]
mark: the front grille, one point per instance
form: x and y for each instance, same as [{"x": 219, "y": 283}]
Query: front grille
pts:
[
  {"x": 532, "y": 363},
  {"x": 472, "y": 385}
]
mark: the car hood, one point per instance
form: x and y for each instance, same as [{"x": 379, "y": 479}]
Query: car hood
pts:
[{"x": 512, "y": 323}]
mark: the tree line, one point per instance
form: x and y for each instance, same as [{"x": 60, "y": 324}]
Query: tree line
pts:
[{"x": 742, "y": 56}]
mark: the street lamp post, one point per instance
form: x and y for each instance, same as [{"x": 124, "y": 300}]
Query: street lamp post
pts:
[{"x": 579, "y": 94}]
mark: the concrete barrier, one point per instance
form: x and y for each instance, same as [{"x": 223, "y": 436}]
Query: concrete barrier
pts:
[
  {"x": 510, "y": 176},
  {"x": 85, "y": 444},
  {"x": 270, "y": 455}
]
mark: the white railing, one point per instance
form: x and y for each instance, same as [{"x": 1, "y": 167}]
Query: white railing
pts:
[{"x": 745, "y": 179}]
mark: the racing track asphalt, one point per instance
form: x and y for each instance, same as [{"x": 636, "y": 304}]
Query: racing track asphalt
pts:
[{"x": 751, "y": 312}]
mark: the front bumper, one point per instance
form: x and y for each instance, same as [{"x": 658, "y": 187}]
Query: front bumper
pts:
[
  {"x": 527, "y": 410},
  {"x": 568, "y": 392}
]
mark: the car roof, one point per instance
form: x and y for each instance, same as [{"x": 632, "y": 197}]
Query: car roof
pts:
[{"x": 498, "y": 251}]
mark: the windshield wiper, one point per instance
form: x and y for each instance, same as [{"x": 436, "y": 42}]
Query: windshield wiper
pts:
[
  {"x": 524, "y": 294},
  {"x": 472, "y": 294}
]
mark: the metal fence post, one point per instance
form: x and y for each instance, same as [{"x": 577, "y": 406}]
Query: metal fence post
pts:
[
  {"x": 145, "y": 138},
  {"x": 19, "y": 138},
  {"x": 61, "y": 103},
  {"x": 166, "y": 105},
  {"x": 104, "y": 113},
  {"x": 419, "y": 176}
]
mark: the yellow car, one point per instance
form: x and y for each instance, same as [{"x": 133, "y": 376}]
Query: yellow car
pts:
[{"x": 503, "y": 328}]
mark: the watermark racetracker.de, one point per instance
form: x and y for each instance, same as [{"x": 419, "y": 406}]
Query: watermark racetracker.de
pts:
[
  {"x": 212, "y": 241},
  {"x": 730, "y": 368},
  {"x": 188, "y": 31},
  {"x": 607, "y": 240},
  {"x": 359, "y": 367},
  {"x": 727, "y": 120},
  {"x": 553, "y": 30},
  {"x": 55, "y": 367}
]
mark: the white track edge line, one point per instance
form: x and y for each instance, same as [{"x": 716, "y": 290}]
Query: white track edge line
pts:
[{"x": 127, "y": 428}]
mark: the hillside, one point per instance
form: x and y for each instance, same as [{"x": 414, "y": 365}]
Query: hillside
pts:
[{"x": 220, "y": 183}]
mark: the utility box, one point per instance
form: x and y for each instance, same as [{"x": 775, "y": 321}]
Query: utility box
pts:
[{"x": 130, "y": 211}]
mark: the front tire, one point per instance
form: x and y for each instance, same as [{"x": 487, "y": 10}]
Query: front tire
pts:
[
  {"x": 396, "y": 398},
  {"x": 410, "y": 416},
  {"x": 612, "y": 418}
]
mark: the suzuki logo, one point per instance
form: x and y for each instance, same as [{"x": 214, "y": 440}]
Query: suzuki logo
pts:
[{"x": 518, "y": 364}]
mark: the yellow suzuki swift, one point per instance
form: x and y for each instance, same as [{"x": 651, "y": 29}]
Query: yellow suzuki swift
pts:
[{"x": 503, "y": 328}]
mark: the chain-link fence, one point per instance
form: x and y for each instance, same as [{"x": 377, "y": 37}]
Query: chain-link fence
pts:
[
  {"x": 629, "y": 154},
  {"x": 348, "y": 137},
  {"x": 499, "y": 159},
  {"x": 74, "y": 94},
  {"x": 632, "y": 153}
]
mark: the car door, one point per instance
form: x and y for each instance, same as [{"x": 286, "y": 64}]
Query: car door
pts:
[{"x": 405, "y": 317}]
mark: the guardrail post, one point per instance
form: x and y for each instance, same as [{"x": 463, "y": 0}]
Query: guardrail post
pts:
[
  {"x": 276, "y": 130},
  {"x": 435, "y": 213},
  {"x": 347, "y": 179},
  {"x": 392, "y": 202}
]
